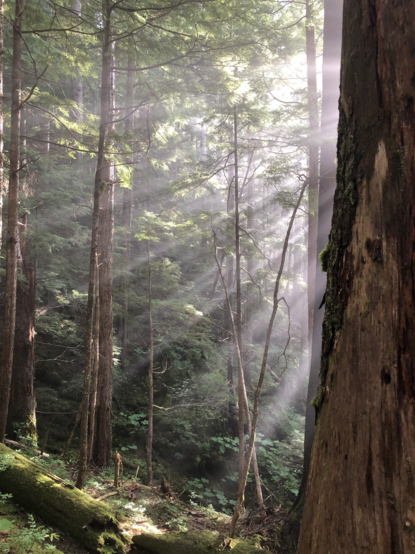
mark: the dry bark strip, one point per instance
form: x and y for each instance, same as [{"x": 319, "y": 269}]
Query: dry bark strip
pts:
[{"x": 60, "y": 504}]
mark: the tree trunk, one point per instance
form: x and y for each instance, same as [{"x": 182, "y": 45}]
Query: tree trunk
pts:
[
  {"x": 243, "y": 405},
  {"x": 95, "y": 370},
  {"x": 364, "y": 450},
  {"x": 1, "y": 118},
  {"x": 238, "y": 337},
  {"x": 149, "y": 445},
  {"x": 100, "y": 175},
  {"x": 313, "y": 152},
  {"x": 126, "y": 217},
  {"x": 243, "y": 476},
  {"x": 103, "y": 429},
  {"x": 333, "y": 10},
  {"x": 6, "y": 354},
  {"x": 59, "y": 504},
  {"x": 21, "y": 418},
  {"x": 193, "y": 542},
  {"x": 77, "y": 86}
]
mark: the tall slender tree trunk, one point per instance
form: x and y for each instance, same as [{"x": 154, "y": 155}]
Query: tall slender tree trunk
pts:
[
  {"x": 126, "y": 216},
  {"x": 149, "y": 445},
  {"x": 77, "y": 85},
  {"x": 6, "y": 354},
  {"x": 103, "y": 431},
  {"x": 232, "y": 423},
  {"x": 333, "y": 11},
  {"x": 244, "y": 474},
  {"x": 1, "y": 118},
  {"x": 238, "y": 337},
  {"x": 364, "y": 450},
  {"x": 313, "y": 153},
  {"x": 243, "y": 405},
  {"x": 95, "y": 369},
  {"x": 22, "y": 406},
  {"x": 100, "y": 174}
]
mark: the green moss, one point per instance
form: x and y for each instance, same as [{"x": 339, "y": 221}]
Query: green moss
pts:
[
  {"x": 324, "y": 258},
  {"x": 317, "y": 400},
  {"x": 193, "y": 542},
  {"x": 336, "y": 257},
  {"x": 58, "y": 503}
]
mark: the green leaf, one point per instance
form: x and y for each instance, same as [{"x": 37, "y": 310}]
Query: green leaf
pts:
[{"x": 5, "y": 525}]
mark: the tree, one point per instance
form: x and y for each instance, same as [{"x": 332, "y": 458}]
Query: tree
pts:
[
  {"x": 102, "y": 171},
  {"x": 6, "y": 354},
  {"x": 313, "y": 155},
  {"x": 103, "y": 431},
  {"x": 327, "y": 183},
  {"x": 359, "y": 494},
  {"x": 1, "y": 114},
  {"x": 22, "y": 410}
]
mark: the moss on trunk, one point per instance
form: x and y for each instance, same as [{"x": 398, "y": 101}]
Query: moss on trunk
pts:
[
  {"x": 59, "y": 503},
  {"x": 193, "y": 542}
]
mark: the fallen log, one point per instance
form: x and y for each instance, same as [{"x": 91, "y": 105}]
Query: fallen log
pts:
[
  {"x": 20, "y": 445},
  {"x": 60, "y": 504},
  {"x": 193, "y": 542}
]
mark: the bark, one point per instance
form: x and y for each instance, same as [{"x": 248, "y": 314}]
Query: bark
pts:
[
  {"x": 364, "y": 449},
  {"x": 149, "y": 445},
  {"x": 59, "y": 504},
  {"x": 333, "y": 10},
  {"x": 313, "y": 153},
  {"x": 100, "y": 175},
  {"x": 193, "y": 542},
  {"x": 6, "y": 354},
  {"x": 21, "y": 417},
  {"x": 103, "y": 429}
]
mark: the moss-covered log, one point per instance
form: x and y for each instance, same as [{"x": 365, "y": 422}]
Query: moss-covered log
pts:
[
  {"x": 59, "y": 503},
  {"x": 193, "y": 542}
]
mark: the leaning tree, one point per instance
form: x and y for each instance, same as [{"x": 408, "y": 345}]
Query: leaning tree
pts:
[{"x": 360, "y": 495}]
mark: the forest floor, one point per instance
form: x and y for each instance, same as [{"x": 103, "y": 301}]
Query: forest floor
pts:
[{"x": 138, "y": 508}]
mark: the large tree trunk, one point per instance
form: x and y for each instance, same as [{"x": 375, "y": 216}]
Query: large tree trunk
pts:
[
  {"x": 360, "y": 495},
  {"x": 103, "y": 431},
  {"x": 58, "y": 503},
  {"x": 6, "y": 354},
  {"x": 21, "y": 418},
  {"x": 333, "y": 11}
]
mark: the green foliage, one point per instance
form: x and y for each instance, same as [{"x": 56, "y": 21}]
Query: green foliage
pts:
[
  {"x": 177, "y": 160},
  {"x": 25, "y": 539}
]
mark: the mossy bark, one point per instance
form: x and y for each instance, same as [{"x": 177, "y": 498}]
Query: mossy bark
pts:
[
  {"x": 360, "y": 495},
  {"x": 193, "y": 542},
  {"x": 60, "y": 504}
]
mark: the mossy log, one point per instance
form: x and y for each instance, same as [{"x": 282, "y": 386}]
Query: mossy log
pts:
[
  {"x": 192, "y": 542},
  {"x": 60, "y": 504}
]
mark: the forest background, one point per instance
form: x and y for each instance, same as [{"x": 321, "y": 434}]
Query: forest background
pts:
[{"x": 204, "y": 120}]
